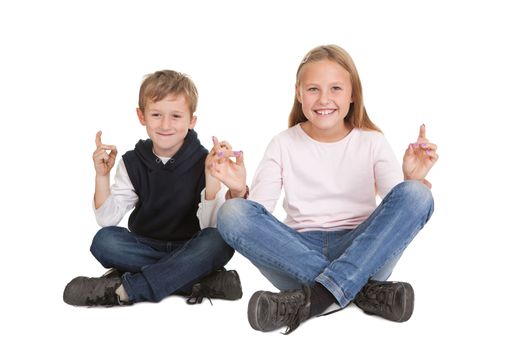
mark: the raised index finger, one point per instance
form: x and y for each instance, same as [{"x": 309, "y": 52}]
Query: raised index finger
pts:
[
  {"x": 422, "y": 132},
  {"x": 98, "y": 140},
  {"x": 217, "y": 146}
]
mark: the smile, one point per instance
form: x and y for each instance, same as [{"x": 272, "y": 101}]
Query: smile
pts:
[{"x": 325, "y": 112}]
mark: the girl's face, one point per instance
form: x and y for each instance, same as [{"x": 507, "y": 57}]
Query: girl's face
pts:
[{"x": 325, "y": 93}]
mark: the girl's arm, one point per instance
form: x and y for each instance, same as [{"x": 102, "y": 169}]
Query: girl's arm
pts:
[
  {"x": 387, "y": 170},
  {"x": 419, "y": 158},
  {"x": 268, "y": 178}
]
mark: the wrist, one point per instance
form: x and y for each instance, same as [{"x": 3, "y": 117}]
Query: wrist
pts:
[
  {"x": 243, "y": 193},
  {"x": 99, "y": 177},
  {"x": 210, "y": 193}
]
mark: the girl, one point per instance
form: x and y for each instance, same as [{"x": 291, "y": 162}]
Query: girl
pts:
[{"x": 334, "y": 245}]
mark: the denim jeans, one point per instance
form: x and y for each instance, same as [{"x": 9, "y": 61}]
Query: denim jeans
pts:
[
  {"x": 155, "y": 269},
  {"x": 342, "y": 261}
]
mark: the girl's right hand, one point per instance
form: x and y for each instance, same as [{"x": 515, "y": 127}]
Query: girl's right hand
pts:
[
  {"x": 230, "y": 173},
  {"x": 103, "y": 160}
]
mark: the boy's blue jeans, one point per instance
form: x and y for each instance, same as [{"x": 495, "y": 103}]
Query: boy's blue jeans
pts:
[
  {"x": 342, "y": 261},
  {"x": 155, "y": 269}
]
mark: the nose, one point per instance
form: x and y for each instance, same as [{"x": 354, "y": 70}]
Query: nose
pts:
[
  {"x": 324, "y": 98},
  {"x": 165, "y": 122}
]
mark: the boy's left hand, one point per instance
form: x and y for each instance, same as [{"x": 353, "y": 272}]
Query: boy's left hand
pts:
[
  {"x": 213, "y": 185},
  {"x": 221, "y": 167},
  {"x": 419, "y": 158}
]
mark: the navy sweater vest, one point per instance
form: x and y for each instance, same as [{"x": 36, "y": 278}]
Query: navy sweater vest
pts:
[{"x": 169, "y": 194}]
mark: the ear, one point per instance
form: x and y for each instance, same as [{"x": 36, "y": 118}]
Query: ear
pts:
[
  {"x": 193, "y": 122},
  {"x": 142, "y": 119},
  {"x": 298, "y": 93}
]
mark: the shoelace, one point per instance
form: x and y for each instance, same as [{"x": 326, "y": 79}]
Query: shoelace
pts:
[
  {"x": 379, "y": 296},
  {"x": 108, "y": 299},
  {"x": 197, "y": 296},
  {"x": 289, "y": 312},
  {"x": 203, "y": 291}
]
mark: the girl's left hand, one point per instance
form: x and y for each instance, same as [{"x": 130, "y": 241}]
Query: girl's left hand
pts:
[{"x": 419, "y": 157}]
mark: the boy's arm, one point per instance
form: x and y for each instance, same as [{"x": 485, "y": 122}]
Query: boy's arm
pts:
[
  {"x": 122, "y": 198},
  {"x": 103, "y": 162},
  {"x": 212, "y": 196},
  {"x": 102, "y": 191},
  {"x": 208, "y": 208},
  {"x": 213, "y": 186}
]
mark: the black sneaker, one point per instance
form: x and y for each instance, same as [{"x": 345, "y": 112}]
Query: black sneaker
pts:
[
  {"x": 221, "y": 284},
  {"x": 269, "y": 311},
  {"x": 85, "y": 291},
  {"x": 391, "y": 300}
]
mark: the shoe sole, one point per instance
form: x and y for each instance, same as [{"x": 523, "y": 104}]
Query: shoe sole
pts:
[
  {"x": 253, "y": 311},
  {"x": 238, "y": 286},
  {"x": 408, "y": 303}
]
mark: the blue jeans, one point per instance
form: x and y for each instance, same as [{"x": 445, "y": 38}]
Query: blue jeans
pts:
[
  {"x": 155, "y": 269},
  {"x": 342, "y": 261}
]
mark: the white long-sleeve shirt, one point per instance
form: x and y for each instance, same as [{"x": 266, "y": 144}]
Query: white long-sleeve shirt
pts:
[
  {"x": 327, "y": 186},
  {"x": 123, "y": 198}
]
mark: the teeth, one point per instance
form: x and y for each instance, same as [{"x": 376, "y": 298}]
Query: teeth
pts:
[{"x": 325, "y": 111}]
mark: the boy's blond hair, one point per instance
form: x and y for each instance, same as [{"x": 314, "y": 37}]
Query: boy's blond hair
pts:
[{"x": 158, "y": 85}]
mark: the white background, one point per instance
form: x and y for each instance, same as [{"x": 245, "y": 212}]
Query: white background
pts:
[{"x": 71, "y": 68}]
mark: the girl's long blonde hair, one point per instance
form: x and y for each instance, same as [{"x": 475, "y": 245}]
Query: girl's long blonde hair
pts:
[{"x": 356, "y": 117}]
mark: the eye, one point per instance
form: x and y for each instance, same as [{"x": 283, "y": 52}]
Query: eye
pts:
[
  {"x": 312, "y": 89},
  {"x": 175, "y": 116},
  {"x": 337, "y": 88},
  {"x": 155, "y": 115}
]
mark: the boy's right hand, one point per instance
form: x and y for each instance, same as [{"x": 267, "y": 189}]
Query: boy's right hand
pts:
[{"x": 103, "y": 160}]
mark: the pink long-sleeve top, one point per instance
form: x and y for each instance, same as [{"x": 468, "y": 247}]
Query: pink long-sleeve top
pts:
[{"x": 327, "y": 186}]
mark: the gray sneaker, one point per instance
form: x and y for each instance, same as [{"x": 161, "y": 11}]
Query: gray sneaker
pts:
[
  {"x": 391, "y": 300},
  {"x": 86, "y": 291},
  {"x": 221, "y": 284},
  {"x": 269, "y": 311}
]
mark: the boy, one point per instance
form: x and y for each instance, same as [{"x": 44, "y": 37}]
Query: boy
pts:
[{"x": 163, "y": 179}]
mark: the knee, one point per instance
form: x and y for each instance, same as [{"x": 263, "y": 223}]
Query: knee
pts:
[
  {"x": 214, "y": 239},
  {"x": 216, "y": 244},
  {"x": 418, "y": 197},
  {"x": 231, "y": 216},
  {"x": 104, "y": 243}
]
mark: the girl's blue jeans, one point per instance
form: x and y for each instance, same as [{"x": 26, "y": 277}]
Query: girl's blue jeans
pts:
[
  {"x": 342, "y": 261},
  {"x": 155, "y": 269}
]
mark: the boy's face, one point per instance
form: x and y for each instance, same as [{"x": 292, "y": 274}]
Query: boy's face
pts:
[{"x": 167, "y": 123}]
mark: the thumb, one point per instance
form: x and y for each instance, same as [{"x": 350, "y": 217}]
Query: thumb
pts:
[
  {"x": 409, "y": 151},
  {"x": 239, "y": 158}
]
